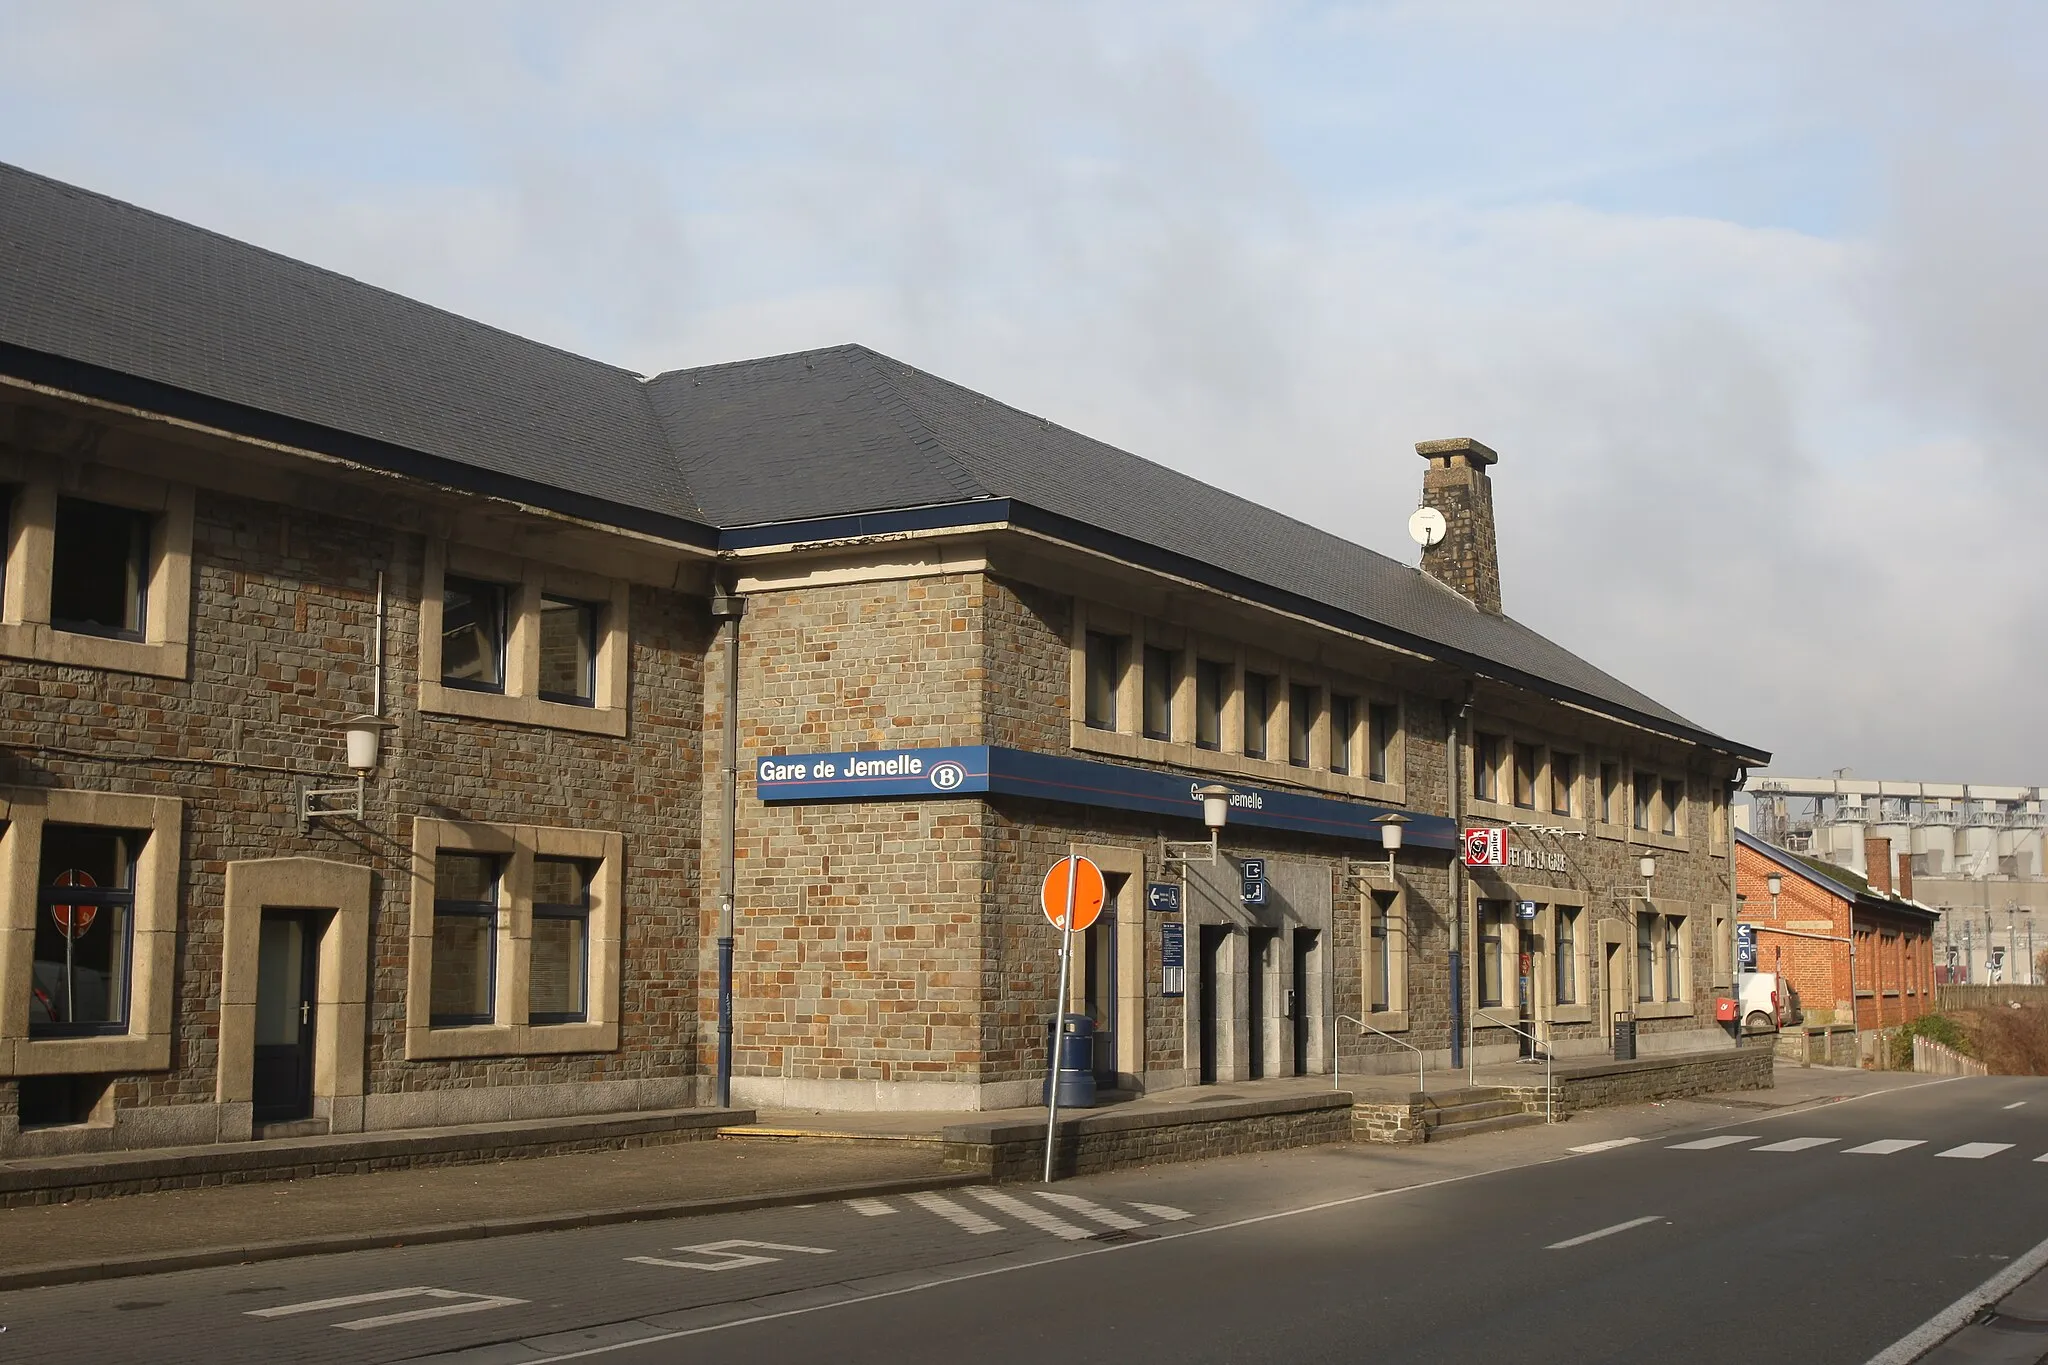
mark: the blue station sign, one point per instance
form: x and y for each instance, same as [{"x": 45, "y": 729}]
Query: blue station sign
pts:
[
  {"x": 937, "y": 773},
  {"x": 868, "y": 773}
]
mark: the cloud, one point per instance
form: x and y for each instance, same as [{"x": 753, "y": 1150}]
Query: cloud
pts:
[{"x": 1752, "y": 306}]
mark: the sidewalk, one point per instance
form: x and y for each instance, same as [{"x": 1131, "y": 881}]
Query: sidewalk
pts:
[
  {"x": 782, "y": 1161},
  {"x": 227, "y": 1224}
]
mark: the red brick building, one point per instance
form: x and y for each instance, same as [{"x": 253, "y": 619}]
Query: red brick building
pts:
[{"x": 1804, "y": 931}]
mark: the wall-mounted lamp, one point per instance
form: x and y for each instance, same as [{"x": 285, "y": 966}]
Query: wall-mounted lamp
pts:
[
  {"x": 1390, "y": 840},
  {"x": 362, "y": 740},
  {"x": 1215, "y": 799}
]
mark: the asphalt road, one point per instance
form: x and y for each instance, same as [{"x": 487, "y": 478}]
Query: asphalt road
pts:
[{"x": 1769, "y": 1239}]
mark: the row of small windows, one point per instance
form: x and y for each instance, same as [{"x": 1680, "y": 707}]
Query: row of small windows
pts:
[
  {"x": 476, "y": 622},
  {"x": 1494, "y": 919},
  {"x": 85, "y": 922},
  {"x": 1258, "y": 694},
  {"x": 99, "y": 585},
  {"x": 1533, "y": 777},
  {"x": 467, "y": 911}
]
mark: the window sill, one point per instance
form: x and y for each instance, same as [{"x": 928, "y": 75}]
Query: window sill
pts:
[
  {"x": 1664, "y": 1009},
  {"x": 508, "y": 1040},
  {"x": 63, "y": 1056},
  {"x": 1119, "y": 745},
  {"x": 1388, "y": 1021},
  {"x": 1497, "y": 1016},
  {"x": 1571, "y": 1014},
  {"x": 438, "y": 699},
  {"x": 47, "y": 644}
]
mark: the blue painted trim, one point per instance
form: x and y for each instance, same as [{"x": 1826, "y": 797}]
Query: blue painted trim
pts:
[{"x": 939, "y": 773}]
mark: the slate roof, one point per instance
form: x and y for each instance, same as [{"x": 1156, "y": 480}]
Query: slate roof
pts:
[
  {"x": 1845, "y": 882},
  {"x": 833, "y": 433},
  {"x": 95, "y": 280}
]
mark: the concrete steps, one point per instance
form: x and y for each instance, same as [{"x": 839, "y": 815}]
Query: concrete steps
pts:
[{"x": 1476, "y": 1109}]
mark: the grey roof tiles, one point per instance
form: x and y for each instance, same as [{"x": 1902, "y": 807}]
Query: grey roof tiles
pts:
[{"x": 819, "y": 434}]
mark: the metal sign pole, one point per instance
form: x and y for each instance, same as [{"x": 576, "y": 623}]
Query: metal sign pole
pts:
[{"x": 1059, "y": 1010}]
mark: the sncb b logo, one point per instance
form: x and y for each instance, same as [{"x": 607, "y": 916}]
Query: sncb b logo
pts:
[{"x": 947, "y": 776}]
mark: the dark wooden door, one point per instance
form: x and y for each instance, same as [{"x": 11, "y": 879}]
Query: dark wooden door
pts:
[{"x": 287, "y": 989}]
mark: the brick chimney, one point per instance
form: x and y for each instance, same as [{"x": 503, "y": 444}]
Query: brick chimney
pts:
[
  {"x": 1906, "y": 875},
  {"x": 1456, "y": 484},
  {"x": 1877, "y": 864}
]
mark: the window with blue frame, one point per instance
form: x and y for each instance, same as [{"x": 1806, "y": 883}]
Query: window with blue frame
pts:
[
  {"x": 465, "y": 962},
  {"x": 568, "y": 651},
  {"x": 558, "y": 987},
  {"x": 85, "y": 930},
  {"x": 473, "y": 630}
]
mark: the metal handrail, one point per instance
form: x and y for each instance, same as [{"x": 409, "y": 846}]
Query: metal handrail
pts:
[
  {"x": 1549, "y": 1069},
  {"x": 1337, "y": 1053}
]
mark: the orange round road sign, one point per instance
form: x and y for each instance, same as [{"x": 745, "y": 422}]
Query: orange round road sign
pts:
[
  {"x": 1089, "y": 891},
  {"x": 74, "y": 920}
]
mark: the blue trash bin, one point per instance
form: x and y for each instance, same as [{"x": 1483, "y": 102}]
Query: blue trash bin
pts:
[{"x": 1077, "y": 1063}]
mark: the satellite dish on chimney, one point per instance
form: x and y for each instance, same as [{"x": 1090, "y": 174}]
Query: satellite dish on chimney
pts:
[{"x": 1426, "y": 527}]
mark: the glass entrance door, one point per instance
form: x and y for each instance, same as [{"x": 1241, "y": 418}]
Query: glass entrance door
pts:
[{"x": 287, "y": 986}]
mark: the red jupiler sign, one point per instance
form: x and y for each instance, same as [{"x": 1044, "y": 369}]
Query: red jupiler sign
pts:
[{"x": 1486, "y": 847}]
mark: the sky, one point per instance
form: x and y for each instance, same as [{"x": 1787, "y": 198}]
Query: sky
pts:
[{"x": 1751, "y": 298}]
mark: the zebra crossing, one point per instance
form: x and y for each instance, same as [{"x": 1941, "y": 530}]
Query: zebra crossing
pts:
[
  {"x": 979, "y": 1212},
  {"x": 1967, "y": 1151}
]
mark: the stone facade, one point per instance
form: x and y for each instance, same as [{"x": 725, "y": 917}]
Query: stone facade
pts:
[
  {"x": 891, "y": 953},
  {"x": 283, "y": 596}
]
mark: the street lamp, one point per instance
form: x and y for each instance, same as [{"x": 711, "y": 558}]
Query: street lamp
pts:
[
  {"x": 1215, "y": 799},
  {"x": 362, "y": 737},
  {"x": 1390, "y": 841}
]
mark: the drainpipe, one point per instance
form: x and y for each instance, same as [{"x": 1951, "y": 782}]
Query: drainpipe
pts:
[
  {"x": 727, "y": 608},
  {"x": 1454, "y": 742}
]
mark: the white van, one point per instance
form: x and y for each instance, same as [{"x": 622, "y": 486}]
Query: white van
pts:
[{"x": 1766, "y": 1000}]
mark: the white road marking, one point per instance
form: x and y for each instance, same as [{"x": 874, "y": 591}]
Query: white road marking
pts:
[
  {"x": 1165, "y": 1213},
  {"x": 2015, "y": 1104},
  {"x": 1975, "y": 1151},
  {"x": 726, "y": 1255},
  {"x": 1794, "y": 1144},
  {"x": 941, "y": 1279},
  {"x": 1608, "y": 1145},
  {"x": 869, "y": 1208},
  {"x": 1709, "y": 1144},
  {"x": 1109, "y": 1218},
  {"x": 965, "y": 1219},
  {"x": 1604, "y": 1232},
  {"x": 460, "y": 1302},
  {"x": 1925, "y": 1337},
  {"x": 1032, "y": 1214},
  {"x": 1885, "y": 1146}
]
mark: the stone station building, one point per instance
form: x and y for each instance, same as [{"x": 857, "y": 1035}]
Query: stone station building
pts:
[{"x": 248, "y": 503}]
